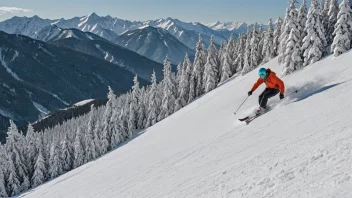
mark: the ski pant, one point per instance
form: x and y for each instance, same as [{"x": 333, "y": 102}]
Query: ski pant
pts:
[{"x": 267, "y": 93}]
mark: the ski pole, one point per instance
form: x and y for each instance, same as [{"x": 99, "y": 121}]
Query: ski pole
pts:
[{"x": 241, "y": 105}]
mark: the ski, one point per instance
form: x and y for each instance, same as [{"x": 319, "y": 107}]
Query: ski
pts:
[{"x": 249, "y": 119}]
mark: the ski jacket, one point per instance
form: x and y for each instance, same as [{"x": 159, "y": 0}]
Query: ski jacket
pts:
[{"x": 271, "y": 81}]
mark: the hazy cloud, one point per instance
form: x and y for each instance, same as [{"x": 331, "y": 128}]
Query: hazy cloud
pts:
[{"x": 11, "y": 10}]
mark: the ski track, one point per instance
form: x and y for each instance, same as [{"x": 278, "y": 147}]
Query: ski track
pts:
[{"x": 302, "y": 148}]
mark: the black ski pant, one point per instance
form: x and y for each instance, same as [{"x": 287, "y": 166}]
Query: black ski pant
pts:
[{"x": 267, "y": 93}]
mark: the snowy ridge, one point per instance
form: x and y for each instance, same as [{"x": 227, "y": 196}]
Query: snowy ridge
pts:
[{"x": 302, "y": 148}]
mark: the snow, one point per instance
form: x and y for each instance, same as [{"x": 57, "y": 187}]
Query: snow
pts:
[
  {"x": 43, "y": 111},
  {"x": 4, "y": 64},
  {"x": 302, "y": 148},
  {"x": 45, "y": 51},
  {"x": 84, "y": 102}
]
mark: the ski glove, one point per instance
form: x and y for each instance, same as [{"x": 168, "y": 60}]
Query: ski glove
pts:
[
  {"x": 250, "y": 93},
  {"x": 282, "y": 96}
]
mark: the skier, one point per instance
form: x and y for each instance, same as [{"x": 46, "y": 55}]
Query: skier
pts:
[{"x": 274, "y": 85}]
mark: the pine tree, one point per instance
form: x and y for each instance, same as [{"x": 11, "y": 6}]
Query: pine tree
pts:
[
  {"x": 179, "y": 73},
  {"x": 55, "y": 168},
  {"x": 198, "y": 68},
  {"x": 16, "y": 156},
  {"x": 39, "y": 170},
  {"x": 277, "y": 34},
  {"x": 31, "y": 149},
  {"x": 79, "y": 148},
  {"x": 152, "y": 108},
  {"x": 247, "y": 54},
  {"x": 343, "y": 30},
  {"x": 168, "y": 100},
  {"x": 90, "y": 153},
  {"x": 116, "y": 137},
  {"x": 3, "y": 192},
  {"x": 184, "y": 84},
  {"x": 13, "y": 184},
  {"x": 66, "y": 155},
  {"x": 211, "y": 72},
  {"x": 325, "y": 16},
  {"x": 261, "y": 38},
  {"x": 268, "y": 48},
  {"x": 286, "y": 28},
  {"x": 142, "y": 107},
  {"x": 333, "y": 11},
  {"x": 107, "y": 127},
  {"x": 239, "y": 62},
  {"x": 293, "y": 60},
  {"x": 302, "y": 19},
  {"x": 314, "y": 43},
  {"x": 230, "y": 52}
]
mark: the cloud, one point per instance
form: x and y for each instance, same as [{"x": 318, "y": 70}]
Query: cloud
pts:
[{"x": 11, "y": 10}]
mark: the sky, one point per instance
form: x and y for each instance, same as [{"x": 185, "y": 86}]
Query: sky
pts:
[{"x": 205, "y": 11}]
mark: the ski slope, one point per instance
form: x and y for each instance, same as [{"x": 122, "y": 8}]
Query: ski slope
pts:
[{"x": 302, "y": 148}]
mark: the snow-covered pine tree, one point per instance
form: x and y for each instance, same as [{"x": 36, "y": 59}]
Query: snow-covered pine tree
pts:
[
  {"x": 79, "y": 148},
  {"x": 226, "y": 72},
  {"x": 141, "y": 115},
  {"x": 184, "y": 84},
  {"x": 116, "y": 137},
  {"x": 211, "y": 72},
  {"x": 31, "y": 149},
  {"x": 261, "y": 38},
  {"x": 333, "y": 11},
  {"x": 107, "y": 127},
  {"x": 240, "y": 53},
  {"x": 254, "y": 53},
  {"x": 168, "y": 100},
  {"x": 39, "y": 170},
  {"x": 286, "y": 30},
  {"x": 277, "y": 34},
  {"x": 198, "y": 68},
  {"x": 3, "y": 192},
  {"x": 302, "y": 19},
  {"x": 15, "y": 152},
  {"x": 314, "y": 43},
  {"x": 135, "y": 95},
  {"x": 152, "y": 108},
  {"x": 66, "y": 155},
  {"x": 97, "y": 137},
  {"x": 343, "y": 30},
  {"x": 325, "y": 15},
  {"x": 268, "y": 47},
  {"x": 293, "y": 60},
  {"x": 230, "y": 52},
  {"x": 55, "y": 165},
  {"x": 247, "y": 53},
  {"x": 90, "y": 153},
  {"x": 13, "y": 184},
  {"x": 179, "y": 74}
]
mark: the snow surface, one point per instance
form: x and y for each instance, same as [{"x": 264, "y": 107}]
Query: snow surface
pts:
[
  {"x": 83, "y": 102},
  {"x": 6, "y": 66},
  {"x": 302, "y": 148},
  {"x": 43, "y": 111}
]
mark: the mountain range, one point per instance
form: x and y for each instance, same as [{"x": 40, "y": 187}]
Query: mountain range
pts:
[
  {"x": 111, "y": 27},
  {"x": 38, "y": 77},
  {"x": 154, "y": 43}
]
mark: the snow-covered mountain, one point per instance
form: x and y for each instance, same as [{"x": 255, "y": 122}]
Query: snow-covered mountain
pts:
[
  {"x": 154, "y": 43},
  {"x": 188, "y": 33},
  {"x": 98, "y": 47},
  {"x": 235, "y": 27},
  {"x": 302, "y": 148},
  {"x": 110, "y": 27},
  {"x": 28, "y": 26},
  {"x": 37, "y": 77},
  {"x": 54, "y": 33}
]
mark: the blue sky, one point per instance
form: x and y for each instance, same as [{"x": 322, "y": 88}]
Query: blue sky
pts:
[{"x": 188, "y": 10}]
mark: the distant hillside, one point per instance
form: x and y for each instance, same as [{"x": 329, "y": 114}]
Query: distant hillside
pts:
[{"x": 38, "y": 77}]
